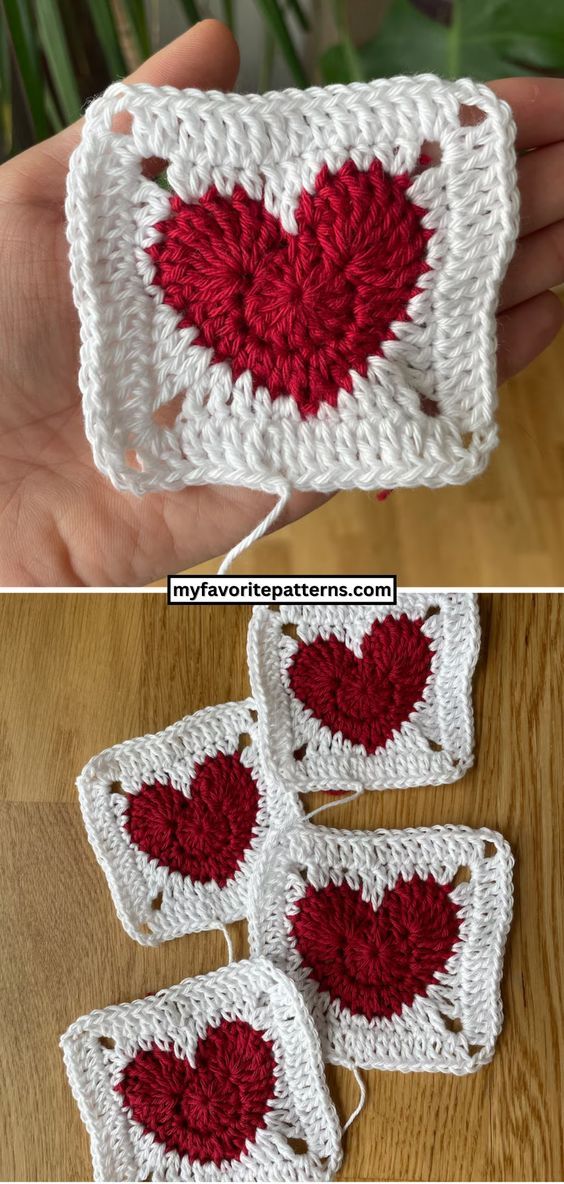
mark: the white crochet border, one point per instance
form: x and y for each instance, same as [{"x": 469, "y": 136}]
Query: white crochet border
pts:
[
  {"x": 177, "y": 1017},
  {"x": 444, "y": 717},
  {"x": 135, "y": 880},
  {"x": 468, "y": 990},
  {"x": 134, "y": 359}
]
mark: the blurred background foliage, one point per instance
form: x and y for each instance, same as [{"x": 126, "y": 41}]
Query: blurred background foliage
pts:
[{"x": 56, "y": 54}]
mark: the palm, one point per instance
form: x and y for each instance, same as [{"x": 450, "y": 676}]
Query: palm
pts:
[{"x": 61, "y": 523}]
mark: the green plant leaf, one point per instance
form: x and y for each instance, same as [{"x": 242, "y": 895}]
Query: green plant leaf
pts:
[
  {"x": 274, "y": 17},
  {"x": 295, "y": 7},
  {"x": 191, "y": 10},
  {"x": 6, "y": 133},
  {"x": 136, "y": 17},
  {"x": 489, "y": 39},
  {"x": 26, "y": 52},
  {"x": 106, "y": 32},
  {"x": 55, "y": 47}
]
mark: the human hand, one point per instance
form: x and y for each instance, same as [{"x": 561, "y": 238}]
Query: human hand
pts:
[{"x": 61, "y": 522}]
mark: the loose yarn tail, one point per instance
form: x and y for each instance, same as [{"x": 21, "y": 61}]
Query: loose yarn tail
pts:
[
  {"x": 361, "y": 1099},
  {"x": 284, "y": 492}
]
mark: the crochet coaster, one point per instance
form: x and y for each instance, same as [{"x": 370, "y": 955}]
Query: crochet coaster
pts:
[
  {"x": 311, "y": 301},
  {"x": 177, "y": 819},
  {"x": 209, "y": 1080},
  {"x": 366, "y": 696},
  {"x": 395, "y": 939}
]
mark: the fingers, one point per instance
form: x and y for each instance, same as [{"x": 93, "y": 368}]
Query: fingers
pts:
[
  {"x": 541, "y": 187},
  {"x": 524, "y": 331},
  {"x": 538, "y": 108},
  {"x": 538, "y": 264}
]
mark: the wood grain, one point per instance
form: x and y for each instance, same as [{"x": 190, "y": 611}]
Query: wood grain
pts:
[
  {"x": 505, "y": 528},
  {"x": 84, "y": 671}
]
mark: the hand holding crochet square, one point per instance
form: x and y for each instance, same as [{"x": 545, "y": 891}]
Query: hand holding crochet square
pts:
[
  {"x": 177, "y": 820},
  {"x": 208, "y": 1080},
  {"x": 395, "y": 939},
  {"x": 313, "y": 305},
  {"x": 366, "y": 697}
]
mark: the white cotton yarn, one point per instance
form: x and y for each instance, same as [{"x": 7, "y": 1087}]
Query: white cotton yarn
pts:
[
  {"x": 423, "y": 1037},
  {"x": 253, "y": 991},
  {"x": 134, "y": 360},
  {"x": 433, "y": 747}
]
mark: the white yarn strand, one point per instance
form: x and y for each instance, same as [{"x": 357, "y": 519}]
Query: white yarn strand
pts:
[
  {"x": 223, "y": 929},
  {"x": 361, "y": 1100},
  {"x": 263, "y": 527}
]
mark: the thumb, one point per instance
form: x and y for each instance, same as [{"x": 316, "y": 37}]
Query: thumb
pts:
[{"x": 206, "y": 57}]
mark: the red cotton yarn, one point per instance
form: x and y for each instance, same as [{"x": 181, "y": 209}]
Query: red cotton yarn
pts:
[
  {"x": 375, "y": 962},
  {"x": 365, "y": 699},
  {"x": 208, "y": 1112},
  {"x": 300, "y": 311},
  {"x": 204, "y": 836}
]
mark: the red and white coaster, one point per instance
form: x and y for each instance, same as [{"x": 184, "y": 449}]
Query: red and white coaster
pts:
[
  {"x": 311, "y": 303},
  {"x": 395, "y": 939},
  {"x": 366, "y": 696},
  {"x": 208, "y": 1080},
  {"x": 177, "y": 820}
]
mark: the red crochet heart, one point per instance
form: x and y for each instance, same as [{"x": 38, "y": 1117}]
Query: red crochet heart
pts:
[
  {"x": 299, "y": 311},
  {"x": 204, "y": 836},
  {"x": 210, "y": 1111},
  {"x": 365, "y": 699},
  {"x": 376, "y": 962}
]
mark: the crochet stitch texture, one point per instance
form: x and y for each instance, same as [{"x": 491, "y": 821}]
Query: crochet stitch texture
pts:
[
  {"x": 207, "y": 1080},
  {"x": 177, "y": 819},
  {"x": 313, "y": 306},
  {"x": 371, "y": 697},
  {"x": 399, "y": 963}
]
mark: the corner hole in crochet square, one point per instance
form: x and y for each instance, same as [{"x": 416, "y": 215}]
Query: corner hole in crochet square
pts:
[
  {"x": 299, "y": 1146},
  {"x": 244, "y": 742},
  {"x": 132, "y": 460},
  {"x": 157, "y": 902},
  {"x": 144, "y": 928},
  {"x": 473, "y": 1049},
  {"x": 470, "y": 115},
  {"x": 106, "y": 1042},
  {"x": 466, "y": 439},
  {"x": 451, "y": 1023},
  {"x": 429, "y": 157},
  {"x": 290, "y": 629},
  {"x": 122, "y": 123},
  {"x": 299, "y": 753},
  {"x": 166, "y": 414},
  {"x": 490, "y": 849},
  {"x": 462, "y": 875},
  {"x": 253, "y": 714},
  {"x": 428, "y": 406},
  {"x": 432, "y": 611},
  {"x": 117, "y": 788},
  {"x": 435, "y": 746},
  {"x": 156, "y": 169}
]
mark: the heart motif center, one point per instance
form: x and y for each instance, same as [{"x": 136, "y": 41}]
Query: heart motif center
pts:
[
  {"x": 204, "y": 836},
  {"x": 366, "y": 699},
  {"x": 375, "y": 962},
  {"x": 210, "y": 1110},
  {"x": 299, "y": 311}
]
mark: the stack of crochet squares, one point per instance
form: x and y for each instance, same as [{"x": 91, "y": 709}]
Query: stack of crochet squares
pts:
[{"x": 369, "y": 949}]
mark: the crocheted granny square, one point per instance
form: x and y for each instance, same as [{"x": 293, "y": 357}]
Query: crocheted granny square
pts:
[
  {"x": 367, "y": 696},
  {"x": 177, "y": 819},
  {"x": 395, "y": 938},
  {"x": 208, "y": 1080},
  {"x": 311, "y": 301}
]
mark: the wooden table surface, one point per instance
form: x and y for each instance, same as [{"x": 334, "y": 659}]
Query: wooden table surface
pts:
[
  {"x": 83, "y": 671},
  {"x": 505, "y": 528}
]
